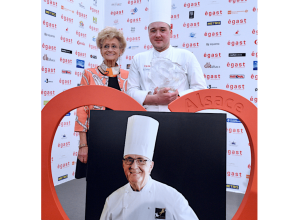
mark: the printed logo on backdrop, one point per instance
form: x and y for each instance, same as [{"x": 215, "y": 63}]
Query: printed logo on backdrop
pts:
[
  {"x": 134, "y": 20},
  {"x": 94, "y": 39},
  {"x": 45, "y": 102},
  {"x": 254, "y": 65},
  {"x": 173, "y": 17},
  {"x": 62, "y": 177},
  {"x": 255, "y": 9},
  {"x": 233, "y": 143},
  {"x": 148, "y": 47},
  {"x": 209, "y": 65},
  {"x": 174, "y": 6},
  {"x": 133, "y": 11},
  {"x": 237, "y": 54},
  {"x": 254, "y": 100},
  {"x": 93, "y": 56},
  {"x": 81, "y": 24},
  {"x": 236, "y": 12},
  {"x": 174, "y": 46},
  {"x": 212, "y": 34},
  {"x": 67, "y": 9},
  {"x": 212, "y": 44},
  {"x": 81, "y": 15},
  {"x": 231, "y": 186},
  {"x": 255, "y": 42},
  {"x": 190, "y": 45},
  {"x": 192, "y": 5},
  {"x": 191, "y": 14},
  {"x": 213, "y": 13},
  {"x": 66, "y": 40},
  {"x": 212, "y": 23},
  {"x": 235, "y": 87},
  {"x": 50, "y": 13},
  {"x": 67, "y": 31},
  {"x": 133, "y": 39},
  {"x": 175, "y": 36},
  {"x": 212, "y": 55},
  {"x": 48, "y": 81},
  {"x": 48, "y": 70},
  {"x": 81, "y": 5},
  {"x": 65, "y": 82},
  {"x": 255, "y": 32},
  {"x": 95, "y": 2},
  {"x": 116, "y": 4},
  {"x": 45, "y": 57},
  {"x": 193, "y": 35},
  {"x": 233, "y": 120},
  {"x": 237, "y": 1},
  {"x": 236, "y": 43},
  {"x": 236, "y": 65},
  {"x": 212, "y": 87},
  {"x": 52, "y": 3},
  {"x": 49, "y": 35},
  {"x": 67, "y": 19},
  {"x": 49, "y": 25},
  {"x": 133, "y": 29},
  {"x": 80, "y": 34},
  {"x": 133, "y": 47},
  {"x": 237, "y": 76},
  {"x": 237, "y": 22},
  {"x": 66, "y": 72},
  {"x": 94, "y": 20},
  {"x": 235, "y": 152},
  {"x": 191, "y": 25},
  {"x": 80, "y": 64},
  {"x": 116, "y": 22},
  {"x": 47, "y": 93},
  {"x": 212, "y": 77},
  {"x": 235, "y": 131},
  {"x": 66, "y": 51},
  {"x": 132, "y": 2},
  {"x": 80, "y": 54},
  {"x": 254, "y": 76},
  {"x": 95, "y": 10}
]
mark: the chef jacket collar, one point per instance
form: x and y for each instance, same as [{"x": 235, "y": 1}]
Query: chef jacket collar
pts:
[
  {"x": 146, "y": 188},
  {"x": 162, "y": 54}
]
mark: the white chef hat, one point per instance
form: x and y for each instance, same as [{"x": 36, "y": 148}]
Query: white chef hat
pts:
[
  {"x": 141, "y": 136},
  {"x": 160, "y": 11}
]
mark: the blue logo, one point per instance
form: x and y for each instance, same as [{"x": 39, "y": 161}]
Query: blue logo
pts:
[
  {"x": 233, "y": 120},
  {"x": 133, "y": 47},
  {"x": 68, "y": 114},
  {"x": 50, "y": 13},
  {"x": 133, "y": 11},
  {"x": 211, "y": 23},
  {"x": 192, "y": 35},
  {"x": 254, "y": 65},
  {"x": 80, "y": 64},
  {"x": 174, "y": 6},
  {"x": 94, "y": 38}
]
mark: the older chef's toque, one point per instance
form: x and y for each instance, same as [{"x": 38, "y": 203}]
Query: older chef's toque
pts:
[
  {"x": 160, "y": 11},
  {"x": 141, "y": 136}
]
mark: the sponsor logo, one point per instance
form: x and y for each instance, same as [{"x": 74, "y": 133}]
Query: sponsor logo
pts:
[
  {"x": 81, "y": 5},
  {"x": 94, "y": 20},
  {"x": 236, "y": 12},
  {"x": 75, "y": 152},
  {"x": 208, "y": 65},
  {"x": 237, "y": 76},
  {"x": 213, "y": 2},
  {"x": 67, "y": 19},
  {"x": 212, "y": 55},
  {"x": 254, "y": 65},
  {"x": 212, "y": 77},
  {"x": 93, "y": 56},
  {"x": 235, "y": 153},
  {"x": 255, "y": 9},
  {"x": 133, "y": 47},
  {"x": 117, "y": 13},
  {"x": 190, "y": 45},
  {"x": 50, "y": 13},
  {"x": 116, "y": 4},
  {"x": 71, "y": 1},
  {"x": 52, "y": 3},
  {"x": 236, "y": 65},
  {"x": 255, "y": 31},
  {"x": 191, "y": 14},
  {"x": 237, "y": 43},
  {"x": 49, "y": 25},
  {"x": 65, "y": 61},
  {"x": 234, "y": 174},
  {"x": 128, "y": 66},
  {"x": 134, "y": 20},
  {"x": 133, "y": 29},
  {"x": 93, "y": 28},
  {"x": 249, "y": 166},
  {"x": 133, "y": 39},
  {"x": 212, "y": 44},
  {"x": 256, "y": 89},
  {"x": 235, "y": 87},
  {"x": 213, "y": 13},
  {"x": 211, "y": 87},
  {"x": 231, "y": 186},
  {"x": 64, "y": 136},
  {"x": 81, "y": 24},
  {"x": 116, "y": 22},
  {"x": 212, "y": 34},
  {"x": 254, "y": 100},
  {"x": 192, "y": 35},
  {"x": 63, "y": 177},
  {"x": 95, "y": 10},
  {"x": 45, "y": 102},
  {"x": 148, "y": 47},
  {"x": 47, "y": 93},
  {"x": 134, "y": 2},
  {"x": 80, "y": 64},
  {"x": 80, "y": 43},
  {"x": 95, "y": 2},
  {"x": 68, "y": 114},
  {"x": 48, "y": 70},
  {"x": 174, "y": 6},
  {"x": 64, "y": 82},
  {"x": 49, "y": 47},
  {"x": 49, "y": 35},
  {"x": 66, "y": 51},
  {"x": 254, "y": 76},
  {"x": 254, "y": 54},
  {"x": 92, "y": 65},
  {"x": 233, "y": 120},
  {"x": 64, "y": 165},
  {"x": 175, "y": 36},
  {"x": 64, "y": 124},
  {"x": 48, "y": 81},
  {"x": 80, "y": 34},
  {"x": 173, "y": 17},
  {"x": 66, "y": 71},
  {"x": 256, "y": 42},
  {"x": 45, "y": 57},
  {"x": 133, "y": 11},
  {"x": 146, "y": 9},
  {"x": 191, "y": 25},
  {"x": 237, "y": 33},
  {"x": 176, "y": 46},
  {"x": 212, "y": 23},
  {"x": 66, "y": 40},
  {"x": 237, "y": 22},
  {"x": 237, "y": 1},
  {"x": 66, "y": 9},
  {"x": 237, "y": 54},
  {"x": 233, "y": 143},
  {"x": 129, "y": 57},
  {"x": 67, "y": 30},
  {"x": 79, "y": 74},
  {"x": 191, "y": 5},
  {"x": 93, "y": 47},
  {"x": 81, "y": 15}
]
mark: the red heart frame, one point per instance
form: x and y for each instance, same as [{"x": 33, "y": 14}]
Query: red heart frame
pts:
[{"x": 60, "y": 105}]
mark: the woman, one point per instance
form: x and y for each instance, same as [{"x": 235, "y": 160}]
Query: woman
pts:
[{"x": 112, "y": 45}]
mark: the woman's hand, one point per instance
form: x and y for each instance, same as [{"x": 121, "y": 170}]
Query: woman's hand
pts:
[{"x": 83, "y": 154}]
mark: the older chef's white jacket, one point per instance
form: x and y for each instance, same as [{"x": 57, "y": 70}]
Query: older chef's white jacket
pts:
[
  {"x": 126, "y": 204},
  {"x": 138, "y": 83}
]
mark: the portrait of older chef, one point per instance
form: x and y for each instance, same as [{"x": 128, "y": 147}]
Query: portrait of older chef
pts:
[
  {"x": 143, "y": 197},
  {"x": 159, "y": 31}
]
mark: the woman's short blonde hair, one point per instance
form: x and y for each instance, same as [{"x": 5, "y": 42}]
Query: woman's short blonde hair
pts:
[{"x": 110, "y": 33}]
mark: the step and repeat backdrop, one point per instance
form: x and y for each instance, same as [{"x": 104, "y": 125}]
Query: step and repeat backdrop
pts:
[{"x": 221, "y": 33}]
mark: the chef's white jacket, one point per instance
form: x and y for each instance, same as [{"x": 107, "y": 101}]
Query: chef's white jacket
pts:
[
  {"x": 138, "y": 82},
  {"x": 126, "y": 204}
]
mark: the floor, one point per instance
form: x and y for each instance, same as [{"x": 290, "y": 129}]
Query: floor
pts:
[{"x": 72, "y": 196}]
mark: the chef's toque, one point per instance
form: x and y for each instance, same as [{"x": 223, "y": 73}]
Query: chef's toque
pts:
[
  {"x": 160, "y": 11},
  {"x": 141, "y": 134}
]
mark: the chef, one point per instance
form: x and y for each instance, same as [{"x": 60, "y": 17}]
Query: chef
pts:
[
  {"x": 159, "y": 31},
  {"x": 144, "y": 198}
]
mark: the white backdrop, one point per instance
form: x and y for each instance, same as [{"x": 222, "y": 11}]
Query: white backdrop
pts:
[{"x": 221, "y": 33}]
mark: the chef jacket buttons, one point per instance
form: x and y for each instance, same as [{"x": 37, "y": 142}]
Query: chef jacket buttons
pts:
[{"x": 148, "y": 208}]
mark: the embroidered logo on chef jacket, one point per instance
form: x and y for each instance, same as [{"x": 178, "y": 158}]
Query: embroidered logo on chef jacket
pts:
[
  {"x": 146, "y": 67},
  {"x": 160, "y": 213}
]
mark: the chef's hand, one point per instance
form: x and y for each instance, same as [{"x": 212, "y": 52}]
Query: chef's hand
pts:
[
  {"x": 83, "y": 154},
  {"x": 164, "y": 97}
]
